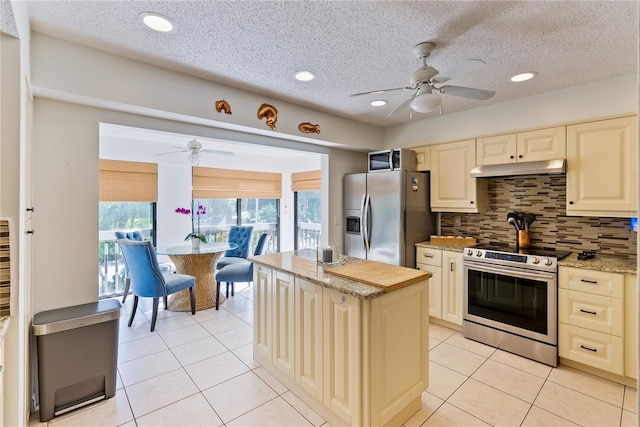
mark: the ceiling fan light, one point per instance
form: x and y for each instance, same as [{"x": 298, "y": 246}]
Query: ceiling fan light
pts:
[{"x": 426, "y": 102}]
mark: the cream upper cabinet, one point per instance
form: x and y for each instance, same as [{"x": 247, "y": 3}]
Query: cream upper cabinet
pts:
[
  {"x": 423, "y": 158},
  {"x": 531, "y": 146},
  {"x": 452, "y": 187},
  {"x": 602, "y": 168}
]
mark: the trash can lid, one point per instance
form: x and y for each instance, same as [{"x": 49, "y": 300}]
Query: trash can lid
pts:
[{"x": 77, "y": 316}]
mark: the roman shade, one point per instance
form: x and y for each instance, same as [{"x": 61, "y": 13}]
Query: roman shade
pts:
[
  {"x": 122, "y": 181},
  {"x": 305, "y": 181},
  {"x": 214, "y": 183}
]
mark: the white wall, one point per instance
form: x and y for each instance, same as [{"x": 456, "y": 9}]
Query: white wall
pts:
[
  {"x": 596, "y": 100},
  {"x": 107, "y": 80}
]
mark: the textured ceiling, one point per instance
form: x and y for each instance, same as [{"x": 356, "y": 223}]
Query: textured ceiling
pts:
[{"x": 357, "y": 46}]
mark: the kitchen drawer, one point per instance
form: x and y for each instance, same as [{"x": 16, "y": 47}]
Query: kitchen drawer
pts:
[
  {"x": 595, "y": 312},
  {"x": 429, "y": 256},
  {"x": 590, "y": 281},
  {"x": 602, "y": 351}
]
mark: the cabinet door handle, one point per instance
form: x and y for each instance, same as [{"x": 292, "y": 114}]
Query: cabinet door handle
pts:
[
  {"x": 451, "y": 265},
  {"x": 588, "y": 312},
  {"x": 427, "y": 256},
  {"x": 588, "y": 348},
  {"x": 593, "y": 282},
  {"x": 520, "y": 156},
  {"x": 570, "y": 202}
]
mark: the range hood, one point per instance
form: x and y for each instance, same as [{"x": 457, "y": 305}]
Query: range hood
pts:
[{"x": 546, "y": 167}]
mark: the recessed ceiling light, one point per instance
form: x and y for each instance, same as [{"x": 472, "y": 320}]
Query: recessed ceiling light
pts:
[
  {"x": 524, "y": 76},
  {"x": 378, "y": 103},
  {"x": 304, "y": 76},
  {"x": 156, "y": 22}
]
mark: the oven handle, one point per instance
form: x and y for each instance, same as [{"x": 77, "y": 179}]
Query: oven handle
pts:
[{"x": 517, "y": 272}]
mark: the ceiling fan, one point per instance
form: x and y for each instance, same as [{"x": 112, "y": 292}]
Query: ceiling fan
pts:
[
  {"x": 194, "y": 147},
  {"x": 426, "y": 80}
]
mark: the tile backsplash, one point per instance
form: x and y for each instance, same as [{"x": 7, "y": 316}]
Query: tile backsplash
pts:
[{"x": 545, "y": 196}]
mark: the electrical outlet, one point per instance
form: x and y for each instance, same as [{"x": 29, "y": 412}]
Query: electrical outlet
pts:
[
  {"x": 457, "y": 221},
  {"x": 336, "y": 220}
]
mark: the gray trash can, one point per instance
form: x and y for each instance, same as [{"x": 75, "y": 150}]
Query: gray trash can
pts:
[{"x": 77, "y": 355}]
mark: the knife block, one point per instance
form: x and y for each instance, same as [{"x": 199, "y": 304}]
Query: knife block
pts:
[{"x": 523, "y": 239}]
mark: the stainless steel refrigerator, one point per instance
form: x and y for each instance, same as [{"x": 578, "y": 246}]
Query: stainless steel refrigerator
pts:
[{"x": 387, "y": 213}]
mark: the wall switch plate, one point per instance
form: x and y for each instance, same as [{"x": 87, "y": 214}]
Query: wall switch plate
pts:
[{"x": 336, "y": 220}]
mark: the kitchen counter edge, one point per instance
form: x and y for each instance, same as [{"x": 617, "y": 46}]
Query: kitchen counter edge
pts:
[
  {"x": 302, "y": 264},
  {"x": 451, "y": 247},
  {"x": 610, "y": 264}
]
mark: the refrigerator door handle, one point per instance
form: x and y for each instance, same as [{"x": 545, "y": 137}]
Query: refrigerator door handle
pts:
[
  {"x": 366, "y": 235},
  {"x": 363, "y": 221}
]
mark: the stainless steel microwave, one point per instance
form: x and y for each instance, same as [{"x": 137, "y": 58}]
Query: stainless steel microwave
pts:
[{"x": 390, "y": 160}]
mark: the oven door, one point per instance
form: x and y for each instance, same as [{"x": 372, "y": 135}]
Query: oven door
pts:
[{"x": 515, "y": 300}]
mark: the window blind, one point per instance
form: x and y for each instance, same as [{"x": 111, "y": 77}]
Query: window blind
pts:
[
  {"x": 305, "y": 181},
  {"x": 214, "y": 183},
  {"x": 122, "y": 181}
]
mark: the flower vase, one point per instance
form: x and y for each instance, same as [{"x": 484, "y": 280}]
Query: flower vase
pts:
[{"x": 195, "y": 243}]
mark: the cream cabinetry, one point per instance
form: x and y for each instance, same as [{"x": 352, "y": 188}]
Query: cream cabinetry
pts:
[
  {"x": 452, "y": 187},
  {"x": 591, "y": 318},
  {"x": 631, "y": 326},
  {"x": 602, "y": 168},
  {"x": 445, "y": 284},
  {"x": 308, "y": 318},
  {"x": 531, "y": 146},
  {"x": 423, "y": 158},
  {"x": 354, "y": 361}
]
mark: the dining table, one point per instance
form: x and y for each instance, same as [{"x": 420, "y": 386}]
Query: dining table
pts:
[{"x": 200, "y": 263}]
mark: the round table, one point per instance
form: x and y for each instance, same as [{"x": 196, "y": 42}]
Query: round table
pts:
[{"x": 199, "y": 263}]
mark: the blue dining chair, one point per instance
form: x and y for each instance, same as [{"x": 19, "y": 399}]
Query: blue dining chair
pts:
[
  {"x": 240, "y": 271},
  {"x": 148, "y": 280},
  {"x": 240, "y": 235},
  {"x": 129, "y": 235}
]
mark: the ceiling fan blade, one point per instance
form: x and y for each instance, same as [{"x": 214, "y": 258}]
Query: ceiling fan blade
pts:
[
  {"x": 373, "y": 92},
  {"x": 467, "y": 92},
  {"x": 463, "y": 67},
  {"x": 172, "y": 152},
  {"x": 404, "y": 104},
  {"x": 222, "y": 153}
]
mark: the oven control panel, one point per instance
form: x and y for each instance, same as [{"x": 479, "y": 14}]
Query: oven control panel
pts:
[{"x": 530, "y": 260}]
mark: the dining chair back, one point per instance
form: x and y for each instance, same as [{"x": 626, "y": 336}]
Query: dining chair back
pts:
[
  {"x": 241, "y": 270},
  {"x": 148, "y": 280},
  {"x": 129, "y": 235},
  {"x": 242, "y": 236}
]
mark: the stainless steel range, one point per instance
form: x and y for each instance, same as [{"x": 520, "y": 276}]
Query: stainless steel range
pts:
[{"x": 510, "y": 300}]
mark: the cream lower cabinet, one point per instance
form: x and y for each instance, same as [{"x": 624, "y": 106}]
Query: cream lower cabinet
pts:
[
  {"x": 591, "y": 318},
  {"x": 355, "y": 361},
  {"x": 631, "y": 326},
  {"x": 452, "y": 187},
  {"x": 445, "y": 284},
  {"x": 602, "y": 168},
  {"x": 308, "y": 319}
]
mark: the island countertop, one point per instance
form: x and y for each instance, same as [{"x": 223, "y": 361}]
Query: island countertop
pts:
[{"x": 302, "y": 264}]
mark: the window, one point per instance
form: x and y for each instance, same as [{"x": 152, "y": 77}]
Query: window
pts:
[
  {"x": 307, "y": 218},
  {"x": 115, "y": 216},
  {"x": 263, "y": 214}
]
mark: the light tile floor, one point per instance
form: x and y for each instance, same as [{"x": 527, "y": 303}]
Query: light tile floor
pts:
[{"x": 199, "y": 371}]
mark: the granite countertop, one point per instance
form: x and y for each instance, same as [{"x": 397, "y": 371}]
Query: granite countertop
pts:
[
  {"x": 608, "y": 263},
  {"x": 447, "y": 246},
  {"x": 302, "y": 264}
]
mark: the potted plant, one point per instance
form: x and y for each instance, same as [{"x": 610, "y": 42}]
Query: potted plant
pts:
[{"x": 195, "y": 236}]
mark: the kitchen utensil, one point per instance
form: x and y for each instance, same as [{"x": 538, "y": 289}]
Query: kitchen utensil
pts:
[
  {"x": 529, "y": 218},
  {"x": 512, "y": 221},
  {"x": 520, "y": 220}
]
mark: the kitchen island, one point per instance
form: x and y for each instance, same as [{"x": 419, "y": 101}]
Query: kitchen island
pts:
[{"x": 355, "y": 353}]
